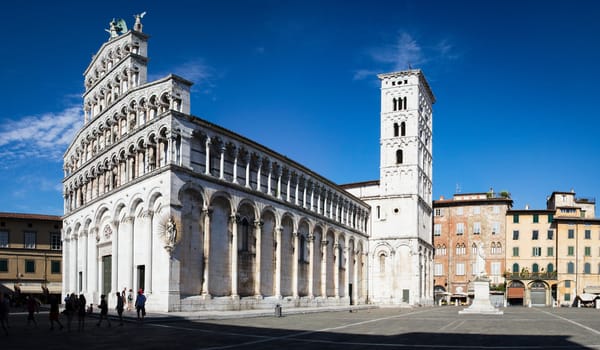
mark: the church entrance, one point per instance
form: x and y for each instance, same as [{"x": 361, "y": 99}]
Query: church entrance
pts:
[{"x": 106, "y": 274}]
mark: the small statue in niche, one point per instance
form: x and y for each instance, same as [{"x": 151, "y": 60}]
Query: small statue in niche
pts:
[{"x": 171, "y": 233}]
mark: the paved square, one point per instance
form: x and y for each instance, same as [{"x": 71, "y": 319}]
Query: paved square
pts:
[{"x": 422, "y": 328}]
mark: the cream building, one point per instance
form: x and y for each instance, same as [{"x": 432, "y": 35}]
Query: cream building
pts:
[
  {"x": 203, "y": 218},
  {"x": 553, "y": 255}
]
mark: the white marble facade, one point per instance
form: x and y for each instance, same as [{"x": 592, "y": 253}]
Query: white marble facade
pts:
[{"x": 196, "y": 215}]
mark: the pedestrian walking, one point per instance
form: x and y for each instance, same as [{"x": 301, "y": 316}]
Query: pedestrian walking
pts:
[
  {"x": 71, "y": 304},
  {"x": 120, "y": 306},
  {"x": 4, "y": 308},
  {"x": 130, "y": 300},
  {"x": 54, "y": 313},
  {"x": 103, "y": 311},
  {"x": 140, "y": 305},
  {"x": 32, "y": 308},
  {"x": 81, "y": 303}
]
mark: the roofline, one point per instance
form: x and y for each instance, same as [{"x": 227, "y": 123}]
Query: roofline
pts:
[
  {"x": 456, "y": 203},
  {"x": 5, "y": 215},
  {"x": 360, "y": 184}
]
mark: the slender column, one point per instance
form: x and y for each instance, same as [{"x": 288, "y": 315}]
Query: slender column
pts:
[
  {"x": 278, "y": 261},
  {"x": 296, "y": 236},
  {"x": 319, "y": 201},
  {"x": 336, "y": 267},
  {"x": 66, "y": 265},
  {"x": 247, "y": 159},
  {"x": 84, "y": 260},
  {"x": 128, "y": 225},
  {"x": 234, "y": 256},
  {"x": 279, "y": 175},
  {"x": 269, "y": 177},
  {"x": 207, "y": 159},
  {"x": 235, "y": 165},
  {"x": 306, "y": 183},
  {"x": 93, "y": 261},
  {"x": 324, "y": 268},
  {"x": 349, "y": 255},
  {"x": 222, "y": 164},
  {"x": 355, "y": 261},
  {"x": 258, "y": 257},
  {"x": 207, "y": 212},
  {"x": 149, "y": 251},
  {"x": 311, "y": 261},
  {"x": 259, "y": 175},
  {"x": 312, "y": 196},
  {"x": 115, "y": 257},
  {"x": 287, "y": 192},
  {"x": 297, "y": 189}
]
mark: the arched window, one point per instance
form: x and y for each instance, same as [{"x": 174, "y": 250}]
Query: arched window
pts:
[
  {"x": 570, "y": 267},
  {"x": 498, "y": 248},
  {"x": 396, "y": 128},
  {"x": 404, "y": 103},
  {"x": 515, "y": 268},
  {"x": 403, "y": 129},
  {"x": 474, "y": 249},
  {"x": 382, "y": 262},
  {"x": 535, "y": 268},
  {"x": 587, "y": 268},
  {"x": 302, "y": 252},
  {"x": 399, "y": 156},
  {"x": 395, "y": 100},
  {"x": 550, "y": 267},
  {"x": 244, "y": 235}
]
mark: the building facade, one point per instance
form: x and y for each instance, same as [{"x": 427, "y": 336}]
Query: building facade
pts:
[
  {"x": 200, "y": 217},
  {"x": 400, "y": 250},
  {"x": 531, "y": 254},
  {"x": 30, "y": 255},
  {"x": 465, "y": 227}
]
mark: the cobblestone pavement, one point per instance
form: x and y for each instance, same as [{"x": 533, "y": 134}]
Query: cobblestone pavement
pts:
[{"x": 375, "y": 328}]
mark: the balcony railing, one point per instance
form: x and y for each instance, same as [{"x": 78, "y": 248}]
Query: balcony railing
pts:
[{"x": 531, "y": 275}]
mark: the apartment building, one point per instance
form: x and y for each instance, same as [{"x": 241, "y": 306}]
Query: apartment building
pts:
[
  {"x": 30, "y": 255},
  {"x": 463, "y": 225}
]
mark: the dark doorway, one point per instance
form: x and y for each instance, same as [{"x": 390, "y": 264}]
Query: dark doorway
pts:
[
  {"x": 141, "y": 277},
  {"x": 106, "y": 274}
]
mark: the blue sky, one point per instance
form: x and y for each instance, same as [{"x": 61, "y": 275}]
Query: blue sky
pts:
[{"x": 515, "y": 82}]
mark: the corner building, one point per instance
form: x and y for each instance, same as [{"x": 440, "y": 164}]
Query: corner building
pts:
[{"x": 197, "y": 216}]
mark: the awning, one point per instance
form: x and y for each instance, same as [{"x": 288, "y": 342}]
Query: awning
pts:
[
  {"x": 7, "y": 287},
  {"x": 54, "y": 288},
  {"x": 592, "y": 290},
  {"x": 587, "y": 297},
  {"x": 35, "y": 288}
]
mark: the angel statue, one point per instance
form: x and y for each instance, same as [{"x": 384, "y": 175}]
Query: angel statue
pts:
[
  {"x": 137, "y": 26},
  {"x": 116, "y": 27}
]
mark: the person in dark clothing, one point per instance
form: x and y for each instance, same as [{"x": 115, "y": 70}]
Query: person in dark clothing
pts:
[
  {"x": 54, "y": 313},
  {"x": 120, "y": 306},
  {"x": 103, "y": 311},
  {"x": 81, "y": 313}
]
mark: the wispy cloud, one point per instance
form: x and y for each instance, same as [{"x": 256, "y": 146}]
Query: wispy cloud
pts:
[
  {"x": 196, "y": 71},
  {"x": 42, "y": 136},
  {"x": 404, "y": 52}
]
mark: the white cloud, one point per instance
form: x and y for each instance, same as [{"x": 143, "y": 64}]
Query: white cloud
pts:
[
  {"x": 405, "y": 52},
  {"x": 42, "y": 136},
  {"x": 195, "y": 71}
]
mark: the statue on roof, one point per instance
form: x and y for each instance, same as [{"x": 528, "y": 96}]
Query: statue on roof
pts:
[
  {"x": 138, "y": 21},
  {"x": 116, "y": 27}
]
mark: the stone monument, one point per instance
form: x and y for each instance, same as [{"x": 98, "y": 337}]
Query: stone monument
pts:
[{"x": 481, "y": 303}]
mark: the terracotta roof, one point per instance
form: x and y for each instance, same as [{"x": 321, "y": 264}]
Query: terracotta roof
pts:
[{"x": 30, "y": 216}]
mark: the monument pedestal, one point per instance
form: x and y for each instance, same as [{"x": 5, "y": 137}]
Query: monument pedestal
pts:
[{"x": 481, "y": 303}]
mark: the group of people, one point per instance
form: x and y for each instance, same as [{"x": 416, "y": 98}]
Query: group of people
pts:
[{"x": 76, "y": 306}]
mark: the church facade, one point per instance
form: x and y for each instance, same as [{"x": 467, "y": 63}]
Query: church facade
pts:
[{"x": 202, "y": 218}]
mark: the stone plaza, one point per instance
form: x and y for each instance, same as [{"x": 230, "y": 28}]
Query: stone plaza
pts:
[{"x": 364, "y": 328}]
